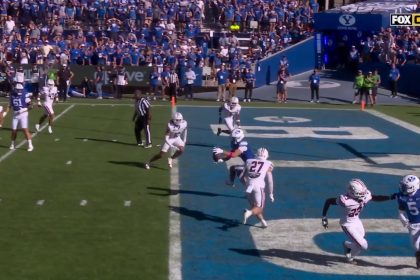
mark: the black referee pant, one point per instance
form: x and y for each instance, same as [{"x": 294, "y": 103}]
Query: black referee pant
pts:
[
  {"x": 172, "y": 91},
  {"x": 142, "y": 124}
]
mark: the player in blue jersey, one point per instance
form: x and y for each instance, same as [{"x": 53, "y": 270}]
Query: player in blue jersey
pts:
[
  {"x": 20, "y": 102},
  {"x": 409, "y": 210},
  {"x": 239, "y": 148}
]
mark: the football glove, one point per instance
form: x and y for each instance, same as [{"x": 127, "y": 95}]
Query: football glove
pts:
[
  {"x": 393, "y": 196},
  {"x": 217, "y": 150},
  {"x": 325, "y": 222},
  {"x": 272, "y": 197}
]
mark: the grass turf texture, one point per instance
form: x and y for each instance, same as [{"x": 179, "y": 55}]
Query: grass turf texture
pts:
[{"x": 102, "y": 240}]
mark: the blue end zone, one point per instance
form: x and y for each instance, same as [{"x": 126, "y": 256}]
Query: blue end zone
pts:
[{"x": 215, "y": 245}]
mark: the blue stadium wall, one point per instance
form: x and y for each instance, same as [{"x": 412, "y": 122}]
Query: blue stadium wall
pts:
[{"x": 301, "y": 58}]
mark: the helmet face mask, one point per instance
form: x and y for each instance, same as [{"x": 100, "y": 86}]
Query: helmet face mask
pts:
[
  {"x": 409, "y": 184},
  {"x": 238, "y": 134},
  {"x": 356, "y": 189},
  {"x": 262, "y": 153}
]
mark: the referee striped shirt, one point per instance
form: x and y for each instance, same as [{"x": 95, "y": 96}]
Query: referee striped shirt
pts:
[{"x": 143, "y": 107}]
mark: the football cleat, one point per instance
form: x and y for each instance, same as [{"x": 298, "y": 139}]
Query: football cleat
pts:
[
  {"x": 37, "y": 127},
  {"x": 147, "y": 166},
  {"x": 264, "y": 224},
  {"x": 12, "y": 147},
  {"x": 148, "y": 146},
  {"x": 30, "y": 148},
  {"x": 247, "y": 214},
  {"x": 49, "y": 129},
  {"x": 347, "y": 251},
  {"x": 170, "y": 162}
]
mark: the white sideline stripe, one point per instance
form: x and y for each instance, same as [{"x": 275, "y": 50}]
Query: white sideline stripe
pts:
[
  {"x": 175, "y": 250},
  {"x": 40, "y": 202},
  {"x": 83, "y": 202},
  {"x": 396, "y": 121},
  {"x": 127, "y": 203},
  {"x": 10, "y": 152}
]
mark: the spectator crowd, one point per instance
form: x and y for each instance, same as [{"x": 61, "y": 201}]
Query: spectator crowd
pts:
[{"x": 148, "y": 32}]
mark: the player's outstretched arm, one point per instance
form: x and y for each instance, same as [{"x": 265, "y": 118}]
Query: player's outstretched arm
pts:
[
  {"x": 327, "y": 204},
  {"x": 380, "y": 198}
]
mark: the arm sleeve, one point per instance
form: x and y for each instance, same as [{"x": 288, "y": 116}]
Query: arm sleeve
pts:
[
  {"x": 380, "y": 197},
  {"x": 185, "y": 136},
  {"x": 328, "y": 202},
  {"x": 270, "y": 182},
  {"x": 403, "y": 218}
]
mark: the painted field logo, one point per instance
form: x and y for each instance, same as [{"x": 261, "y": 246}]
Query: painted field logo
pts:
[{"x": 405, "y": 19}]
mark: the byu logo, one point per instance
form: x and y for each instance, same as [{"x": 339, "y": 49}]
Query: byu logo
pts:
[{"x": 347, "y": 20}]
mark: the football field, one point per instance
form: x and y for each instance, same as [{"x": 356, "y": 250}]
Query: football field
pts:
[{"x": 81, "y": 205}]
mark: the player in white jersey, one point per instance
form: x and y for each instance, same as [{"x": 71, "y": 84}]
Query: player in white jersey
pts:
[
  {"x": 257, "y": 171},
  {"x": 352, "y": 204},
  {"x": 409, "y": 210},
  {"x": 50, "y": 94},
  {"x": 3, "y": 113},
  {"x": 175, "y": 139},
  {"x": 229, "y": 112}
]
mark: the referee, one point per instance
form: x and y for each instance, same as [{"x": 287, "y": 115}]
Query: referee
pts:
[
  {"x": 142, "y": 117},
  {"x": 173, "y": 84}
]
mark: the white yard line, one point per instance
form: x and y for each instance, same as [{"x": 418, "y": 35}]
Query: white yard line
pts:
[
  {"x": 175, "y": 249},
  {"x": 10, "y": 152},
  {"x": 396, "y": 121}
]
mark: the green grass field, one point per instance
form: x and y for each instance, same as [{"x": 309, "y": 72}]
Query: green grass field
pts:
[{"x": 92, "y": 156}]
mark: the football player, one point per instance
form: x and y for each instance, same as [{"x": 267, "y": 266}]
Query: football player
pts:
[
  {"x": 409, "y": 210},
  {"x": 50, "y": 94},
  {"x": 255, "y": 173},
  {"x": 20, "y": 102},
  {"x": 229, "y": 113},
  {"x": 239, "y": 148},
  {"x": 175, "y": 139},
  {"x": 3, "y": 113},
  {"x": 353, "y": 202}
]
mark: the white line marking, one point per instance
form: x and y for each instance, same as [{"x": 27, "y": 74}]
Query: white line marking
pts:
[
  {"x": 114, "y": 140},
  {"x": 57, "y": 139},
  {"x": 10, "y": 152},
  {"x": 85, "y": 140},
  {"x": 40, "y": 202},
  {"x": 69, "y": 162},
  {"x": 127, "y": 203},
  {"x": 396, "y": 121},
  {"x": 83, "y": 202},
  {"x": 175, "y": 249}
]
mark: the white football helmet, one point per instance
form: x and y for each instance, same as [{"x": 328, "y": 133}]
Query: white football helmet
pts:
[
  {"x": 356, "y": 189},
  {"x": 233, "y": 102},
  {"x": 19, "y": 88},
  {"x": 262, "y": 153},
  {"x": 409, "y": 184},
  {"x": 178, "y": 118},
  {"x": 238, "y": 134}
]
